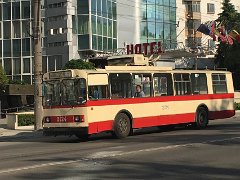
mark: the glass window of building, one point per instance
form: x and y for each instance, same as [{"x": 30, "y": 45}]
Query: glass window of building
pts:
[
  {"x": 26, "y": 31},
  {"x": 58, "y": 59},
  {"x": 100, "y": 47},
  {"x": 82, "y": 7},
  {"x": 114, "y": 10},
  {"x": 159, "y": 21},
  {"x": 6, "y": 29},
  {"x": 94, "y": 42},
  {"x": 105, "y": 27},
  {"x": 16, "y": 66},
  {"x": 7, "y": 48},
  {"x": 26, "y": 47},
  {"x": 104, "y": 8},
  {"x": 16, "y": 29},
  {"x": 99, "y": 7},
  {"x": 25, "y": 9},
  {"x": 109, "y": 9},
  {"x": 105, "y": 46},
  {"x": 110, "y": 44},
  {"x": 99, "y": 26},
  {"x": 94, "y": 24},
  {"x": 93, "y": 6},
  {"x": 83, "y": 42},
  {"x": 16, "y": 47},
  {"x": 7, "y": 66},
  {"x": 26, "y": 65},
  {"x": 83, "y": 24},
  {"x": 210, "y": 8},
  {"x": 110, "y": 28},
  {"x": 114, "y": 29},
  {"x": 6, "y": 11},
  {"x": 16, "y": 10},
  {"x": 51, "y": 63}
]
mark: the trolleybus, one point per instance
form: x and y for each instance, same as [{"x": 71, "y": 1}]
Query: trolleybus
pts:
[{"x": 85, "y": 102}]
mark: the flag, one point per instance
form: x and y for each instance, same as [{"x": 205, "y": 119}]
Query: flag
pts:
[{"x": 203, "y": 28}]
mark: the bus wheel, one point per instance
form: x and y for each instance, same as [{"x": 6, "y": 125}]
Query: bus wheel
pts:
[
  {"x": 201, "y": 121},
  {"x": 122, "y": 126}
]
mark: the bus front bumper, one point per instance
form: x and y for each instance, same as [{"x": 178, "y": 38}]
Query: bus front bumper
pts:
[{"x": 65, "y": 131}]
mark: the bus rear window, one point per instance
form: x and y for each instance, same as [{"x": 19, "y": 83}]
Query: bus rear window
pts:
[{"x": 219, "y": 83}]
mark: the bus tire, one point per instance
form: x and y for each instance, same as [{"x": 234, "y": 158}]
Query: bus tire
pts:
[
  {"x": 122, "y": 126},
  {"x": 201, "y": 120}
]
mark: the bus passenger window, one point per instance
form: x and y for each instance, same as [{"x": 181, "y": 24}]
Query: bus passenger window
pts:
[
  {"x": 163, "y": 84},
  {"x": 199, "y": 83},
  {"x": 120, "y": 84},
  {"x": 182, "y": 84},
  {"x": 98, "y": 92},
  {"x": 219, "y": 83},
  {"x": 142, "y": 83}
]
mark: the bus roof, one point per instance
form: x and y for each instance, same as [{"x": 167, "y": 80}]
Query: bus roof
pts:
[{"x": 71, "y": 73}]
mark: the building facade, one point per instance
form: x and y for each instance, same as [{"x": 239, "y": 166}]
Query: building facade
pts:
[
  {"x": 16, "y": 55},
  {"x": 146, "y": 21},
  {"x": 190, "y": 14},
  {"x": 73, "y": 29}
]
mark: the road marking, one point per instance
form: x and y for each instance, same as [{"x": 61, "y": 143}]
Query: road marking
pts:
[{"x": 106, "y": 154}]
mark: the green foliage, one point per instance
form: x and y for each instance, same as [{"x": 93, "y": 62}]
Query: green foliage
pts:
[
  {"x": 237, "y": 106},
  {"x": 228, "y": 55},
  {"x": 78, "y": 64},
  {"x": 3, "y": 80},
  {"x": 26, "y": 119}
]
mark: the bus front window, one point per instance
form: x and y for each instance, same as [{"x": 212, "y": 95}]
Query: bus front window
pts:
[
  {"x": 65, "y": 92},
  {"x": 52, "y": 93},
  {"x": 73, "y": 91}
]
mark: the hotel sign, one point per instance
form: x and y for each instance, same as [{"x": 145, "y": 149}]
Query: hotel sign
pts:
[{"x": 145, "y": 48}]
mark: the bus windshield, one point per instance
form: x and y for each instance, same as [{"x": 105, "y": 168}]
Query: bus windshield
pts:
[{"x": 65, "y": 92}]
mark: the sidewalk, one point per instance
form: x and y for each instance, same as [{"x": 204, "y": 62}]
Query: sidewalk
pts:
[{"x": 20, "y": 132}]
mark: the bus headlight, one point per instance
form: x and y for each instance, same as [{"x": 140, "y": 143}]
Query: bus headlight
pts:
[
  {"x": 47, "y": 120},
  {"x": 79, "y": 118}
]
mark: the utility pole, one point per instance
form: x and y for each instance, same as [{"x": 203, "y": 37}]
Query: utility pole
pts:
[{"x": 37, "y": 65}]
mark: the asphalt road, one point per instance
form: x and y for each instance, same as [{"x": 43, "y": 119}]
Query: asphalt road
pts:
[{"x": 182, "y": 153}]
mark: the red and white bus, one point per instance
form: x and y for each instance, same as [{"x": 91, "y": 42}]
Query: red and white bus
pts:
[{"x": 85, "y": 102}]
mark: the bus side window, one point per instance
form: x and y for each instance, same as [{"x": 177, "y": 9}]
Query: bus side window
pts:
[
  {"x": 163, "y": 84},
  {"x": 219, "y": 83},
  {"x": 98, "y": 92},
  {"x": 144, "y": 81},
  {"x": 120, "y": 84},
  {"x": 182, "y": 83},
  {"x": 199, "y": 83}
]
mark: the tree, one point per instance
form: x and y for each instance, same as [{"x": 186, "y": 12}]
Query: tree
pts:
[
  {"x": 228, "y": 56},
  {"x": 3, "y": 80},
  {"x": 78, "y": 64}
]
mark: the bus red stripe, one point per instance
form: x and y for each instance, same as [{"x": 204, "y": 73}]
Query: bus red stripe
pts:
[
  {"x": 104, "y": 102},
  {"x": 141, "y": 122},
  {"x": 163, "y": 120}
]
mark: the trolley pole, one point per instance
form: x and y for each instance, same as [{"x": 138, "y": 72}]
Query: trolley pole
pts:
[{"x": 37, "y": 65}]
